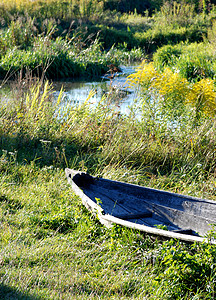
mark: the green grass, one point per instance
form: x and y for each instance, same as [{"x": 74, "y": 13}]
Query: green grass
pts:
[
  {"x": 50, "y": 245},
  {"x": 60, "y": 58},
  {"x": 52, "y": 248}
]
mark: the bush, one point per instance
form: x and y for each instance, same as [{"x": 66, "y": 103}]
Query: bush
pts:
[
  {"x": 189, "y": 268},
  {"x": 193, "y": 61},
  {"x": 110, "y": 36},
  {"x": 129, "y": 6},
  {"x": 165, "y": 95}
]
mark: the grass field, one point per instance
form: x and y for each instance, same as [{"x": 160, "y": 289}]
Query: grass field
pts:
[{"x": 50, "y": 245}]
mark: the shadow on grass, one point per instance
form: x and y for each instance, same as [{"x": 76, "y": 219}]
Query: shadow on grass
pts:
[
  {"x": 43, "y": 151},
  {"x": 10, "y": 293}
]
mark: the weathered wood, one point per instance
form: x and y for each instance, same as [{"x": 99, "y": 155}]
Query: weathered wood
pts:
[
  {"x": 134, "y": 216},
  {"x": 145, "y": 209}
]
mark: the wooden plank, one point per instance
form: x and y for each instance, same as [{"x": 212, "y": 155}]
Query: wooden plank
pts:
[{"x": 135, "y": 216}]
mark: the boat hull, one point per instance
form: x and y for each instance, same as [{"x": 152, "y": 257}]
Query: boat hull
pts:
[{"x": 150, "y": 210}]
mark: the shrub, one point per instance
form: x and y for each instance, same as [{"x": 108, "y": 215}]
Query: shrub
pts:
[
  {"x": 110, "y": 36},
  {"x": 189, "y": 268},
  {"x": 193, "y": 61},
  {"x": 203, "y": 97},
  {"x": 129, "y": 6}
]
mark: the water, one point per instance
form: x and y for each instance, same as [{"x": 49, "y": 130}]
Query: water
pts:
[{"x": 116, "y": 90}]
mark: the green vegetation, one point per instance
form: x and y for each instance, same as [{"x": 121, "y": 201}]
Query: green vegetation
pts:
[
  {"x": 56, "y": 57},
  {"x": 74, "y": 39},
  {"x": 50, "y": 246}
]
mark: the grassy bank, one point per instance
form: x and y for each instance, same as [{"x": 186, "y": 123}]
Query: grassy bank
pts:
[
  {"x": 59, "y": 58},
  {"x": 51, "y": 247}
]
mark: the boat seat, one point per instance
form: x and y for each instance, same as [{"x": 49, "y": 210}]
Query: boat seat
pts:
[{"x": 147, "y": 214}]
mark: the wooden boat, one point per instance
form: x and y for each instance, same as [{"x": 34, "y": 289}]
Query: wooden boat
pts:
[{"x": 146, "y": 209}]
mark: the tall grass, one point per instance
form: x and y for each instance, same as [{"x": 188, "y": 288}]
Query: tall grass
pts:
[
  {"x": 172, "y": 24},
  {"x": 76, "y": 54},
  {"x": 168, "y": 138},
  {"x": 52, "y": 8}
]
